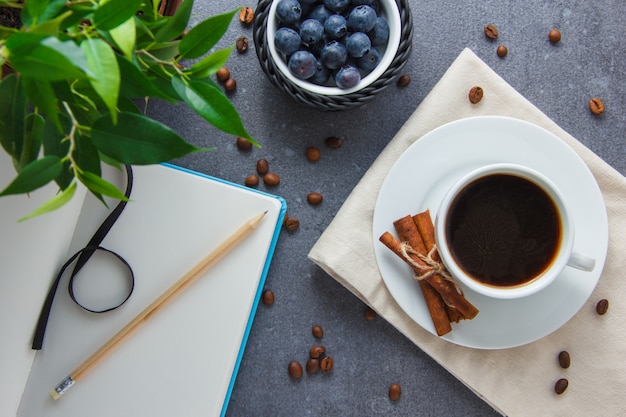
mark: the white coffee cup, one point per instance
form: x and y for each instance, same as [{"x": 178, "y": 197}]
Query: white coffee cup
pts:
[{"x": 561, "y": 256}]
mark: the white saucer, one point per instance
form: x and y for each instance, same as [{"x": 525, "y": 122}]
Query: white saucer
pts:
[{"x": 418, "y": 181}]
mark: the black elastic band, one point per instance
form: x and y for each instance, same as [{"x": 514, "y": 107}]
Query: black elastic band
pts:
[{"x": 81, "y": 257}]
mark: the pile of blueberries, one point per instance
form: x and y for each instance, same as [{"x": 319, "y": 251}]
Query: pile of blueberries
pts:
[{"x": 331, "y": 40}]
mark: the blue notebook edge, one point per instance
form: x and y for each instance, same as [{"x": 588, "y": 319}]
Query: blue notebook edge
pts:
[{"x": 266, "y": 266}]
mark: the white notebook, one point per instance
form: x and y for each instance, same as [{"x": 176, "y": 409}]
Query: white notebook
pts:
[{"x": 184, "y": 360}]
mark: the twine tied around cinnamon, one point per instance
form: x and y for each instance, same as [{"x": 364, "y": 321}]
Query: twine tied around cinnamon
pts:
[{"x": 431, "y": 266}]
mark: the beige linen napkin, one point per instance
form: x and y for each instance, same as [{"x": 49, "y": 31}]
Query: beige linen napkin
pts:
[{"x": 517, "y": 381}]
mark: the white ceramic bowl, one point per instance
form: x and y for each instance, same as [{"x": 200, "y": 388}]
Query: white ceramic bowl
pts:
[{"x": 389, "y": 10}]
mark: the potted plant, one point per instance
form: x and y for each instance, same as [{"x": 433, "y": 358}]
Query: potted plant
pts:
[{"x": 81, "y": 68}]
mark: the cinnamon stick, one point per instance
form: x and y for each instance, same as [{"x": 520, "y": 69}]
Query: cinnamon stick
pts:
[{"x": 434, "y": 302}]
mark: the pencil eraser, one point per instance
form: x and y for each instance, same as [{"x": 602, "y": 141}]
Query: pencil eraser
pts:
[{"x": 54, "y": 394}]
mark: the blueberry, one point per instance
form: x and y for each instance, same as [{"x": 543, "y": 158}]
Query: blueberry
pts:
[
  {"x": 358, "y": 44},
  {"x": 334, "y": 55},
  {"x": 289, "y": 11},
  {"x": 362, "y": 19},
  {"x": 302, "y": 64},
  {"x": 287, "y": 40},
  {"x": 336, "y": 5},
  {"x": 369, "y": 61},
  {"x": 311, "y": 31},
  {"x": 379, "y": 35},
  {"x": 322, "y": 74},
  {"x": 347, "y": 77},
  {"x": 335, "y": 26},
  {"x": 319, "y": 12}
]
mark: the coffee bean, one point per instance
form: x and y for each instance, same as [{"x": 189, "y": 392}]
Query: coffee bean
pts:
[
  {"x": 292, "y": 224},
  {"x": 242, "y": 44},
  {"x": 230, "y": 84},
  {"x": 502, "y": 51},
  {"x": 395, "y": 391},
  {"x": 295, "y": 369},
  {"x": 223, "y": 74},
  {"x": 561, "y": 385},
  {"x": 491, "y": 31},
  {"x": 312, "y": 154},
  {"x": 312, "y": 366},
  {"x": 244, "y": 144},
  {"x": 327, "y": 364},
  {"x": 318, "y": 332},
  {"x": 554, "y": 35},
  {"x": 596, "y": 106},
  {"x": 317, "y": 351},
  {"x": 267, "y": 297},
  {"x": 246, "y": 15},
  {"x": 271, "y": 179},
  {"x": 314, "y": 198},
  {"x": 564, "y": 359},
  {"x": 475, "y": 94},
  {"x": 333, "y": 142},
  {"x": 252, "y": 180},
  {"x": 602, "y": 306},
  {"x": 370, "y": 314},
  {"x": 404, "y": 80},
  {"x": 262, "y": 166}
]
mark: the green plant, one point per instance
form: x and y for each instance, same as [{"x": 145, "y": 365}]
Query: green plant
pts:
[{"x": 81, "y": 67}]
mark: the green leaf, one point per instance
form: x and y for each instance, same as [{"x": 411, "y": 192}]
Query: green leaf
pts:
[
  {"x": 210, "y": 64},
  {"x": 135, "y": 83},
  {"x": 106, "y": 81},
  {"x": 86, "y": 155},
  {"x": 54, "y": 144},
  {"x": 54, "y": 203},
  {"x": 99, "y": 186},
  {"x": 42, "y": 95},
  {"x": 49, "y": 59},
  {"x": 138, "y": 140},
  {"x": 38, "y": 11},
  {"x": 211, "y": 103},
  {"x": 115, "y": 12},
  {"x": 12, "y": 113},
  {"x": 176, "y": 24},
  {"x": 202, "y": 37},
  {"x": 34, "y": 175},
  {"x": 124, "y": 36},
  {"x": 33, "y": 137},
  {"x": 53, "y": 26}
]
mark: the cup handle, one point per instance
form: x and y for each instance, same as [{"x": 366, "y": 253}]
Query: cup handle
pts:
[{"x": 580, "y": 261}]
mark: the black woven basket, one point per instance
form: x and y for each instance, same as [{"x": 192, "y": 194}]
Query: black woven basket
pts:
[{"x": 328, "y": 102}]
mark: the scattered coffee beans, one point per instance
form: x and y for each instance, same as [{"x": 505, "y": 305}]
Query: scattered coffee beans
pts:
[
  {"x": 333, "y": 142},
  {"x": 404, "y": 80},
  {"x": 327, "y": 364},
  {"x": 295, "y": 369},
  {"x": 242, "y": 44},
  {"x": 318, "y": 332},
  {"x": 317, "y": 351},
  {"x": 223, "y": 74},
  {"x": 602, "y": 306},
  {"x": 502, "y": 51},
  {"x": 246, "y": 15},
  {"x": 554, "y": 35},
  {"x": 268, "y": 297},
  {"x": 314, "y": 198},
  {"x": 252, "y": 180},
  {"x": 271, "y": 179},
  {"x": 313, "y": 154},
  {"x": 292, "y": 224},
  {"x": 312, "y": 366},
  {"x": 395, "y": 392},
  {"x": 230, "y": 84},
  {"x": 262, "y": 166},
  {"x": 244, "y": 144},
  {"x": 370, "y": 314},
  {"x": 561, "y": 385},
  {"x": 491, "y": 31},
  {"x": 564, "y": 359},
  {"x": 475, "y": 94},
  {"x": 596, "y": 106}
]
